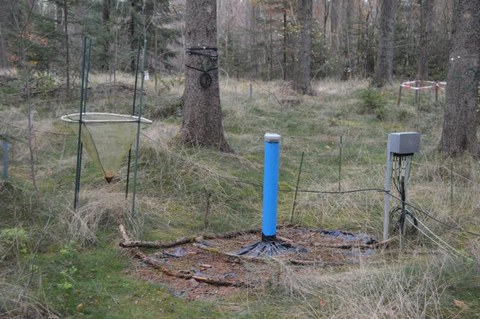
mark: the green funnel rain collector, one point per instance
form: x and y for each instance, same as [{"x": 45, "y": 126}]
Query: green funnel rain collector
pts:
[{"x": 107, "y": 138}]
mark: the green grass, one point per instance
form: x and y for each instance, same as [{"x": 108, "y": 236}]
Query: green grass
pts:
[
  {"x": 81, "y": 273},
  {"x": 95, "y": 283}
]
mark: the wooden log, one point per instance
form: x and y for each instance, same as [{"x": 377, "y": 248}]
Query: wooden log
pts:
[{"x": 187, "y": 275}]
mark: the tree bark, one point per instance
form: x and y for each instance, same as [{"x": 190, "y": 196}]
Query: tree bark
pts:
[
  {"x": 3, "y": 49},
  {"x": 459, "y": 134},
  {"x": 334, "y": 17},
  {"x": 426, "y": 20},
  {"x": 202, "y": 114},
  {"x": 384, "y": 65},
  {"x": 302, "y": 79},
  {"x": 106, "y": 8},
  {"x": 67, "y": 48},
  {"x": 132, "y": 33}
]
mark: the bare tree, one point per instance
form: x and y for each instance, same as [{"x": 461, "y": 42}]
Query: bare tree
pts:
[
  {"x": 384, "y": 66},
  {"x": 3, "y": 48},
  {"x": 302, "y": 74},
  {"x": 459, "y": 134},
  {"x": 426, "y": 21},
  {"x": 106, "y": 12},
  {"x": 202, "y": 114},
  {"x": 67, "y": 47},
  {"x": 334, "y": 22}
]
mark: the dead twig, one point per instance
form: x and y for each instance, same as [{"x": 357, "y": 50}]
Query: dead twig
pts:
[
  {"x": 381, "y": 244},
  {"x": 187, "y": 275},
  {"x": 127, "y": 243}
]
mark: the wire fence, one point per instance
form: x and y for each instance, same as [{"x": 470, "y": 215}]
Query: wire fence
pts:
[{"x": 307, "y": 174}]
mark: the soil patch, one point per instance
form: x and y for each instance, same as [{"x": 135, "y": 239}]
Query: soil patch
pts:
[{"x": 207, "y": 267}]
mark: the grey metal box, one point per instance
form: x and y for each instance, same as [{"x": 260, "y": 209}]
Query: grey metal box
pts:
[{"x": 404, "y": 143}]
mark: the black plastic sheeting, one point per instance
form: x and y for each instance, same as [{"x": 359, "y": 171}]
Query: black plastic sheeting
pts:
[
  {"x": 359, "y": 238},
  {"x": 269, "y": 248}
]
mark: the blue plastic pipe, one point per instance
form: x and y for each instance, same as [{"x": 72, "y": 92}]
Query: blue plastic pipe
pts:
[{"x": 270, "y": 185}]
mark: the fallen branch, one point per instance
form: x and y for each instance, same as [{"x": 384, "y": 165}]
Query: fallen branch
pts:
[
  {"x": 384, "y": 243},
  {"x": 314, "y": 262},
  {"x": 230, "y": 255},
  {"x": 135, "y": 251},
  {"x": 158, "y": 245},
  {"x": 218, "y": 282},
  {"x": 127, "y": 243}
]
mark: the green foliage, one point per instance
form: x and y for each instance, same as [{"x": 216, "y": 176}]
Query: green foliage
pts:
[
  {"x": 9, "y": 236},
  {"x": 45, "y": 84},
  {"x": 13, "y": 241},
  {"x": 404, "y": 115},
  {"x": 372, "y": 102},
  {"x": 94, "y": 284},
  {"x": 79, "y": 278}
]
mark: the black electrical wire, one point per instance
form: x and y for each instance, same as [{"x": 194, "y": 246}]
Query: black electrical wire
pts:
[
  {"x": 335, "y": 192},
  {"x": 239, "y": 181},
  {"x": 205, "y": 79},
  {"x": 198, "y": 51},
  {"x": 436, "y": 219}
]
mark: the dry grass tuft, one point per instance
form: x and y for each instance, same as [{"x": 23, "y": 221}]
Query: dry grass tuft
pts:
[
  {"x": 392, "y": 291},
  {"x": 97, "y": 209},
  {"x": 16, "y": 304}
]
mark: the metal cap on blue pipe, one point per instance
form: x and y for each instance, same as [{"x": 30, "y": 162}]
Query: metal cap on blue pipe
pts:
[{"x": 272, "y": 137}]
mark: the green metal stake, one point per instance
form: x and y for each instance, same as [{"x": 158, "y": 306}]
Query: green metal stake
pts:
[
  {"x": 296, "y": 189},
  {"x": 137, "y": 142},
  {"x": 87, "y": 43},
  {"x": 6, "y": 146},
  {"x": 340, "y": 165},
  {"x": 134, "y": 104},
  {"x": 451, "y": 184}
]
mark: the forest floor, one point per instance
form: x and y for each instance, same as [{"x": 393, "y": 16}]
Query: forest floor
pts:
[
  {"x": 178, "y": 255},
  {"x": 211, "y": 268}
]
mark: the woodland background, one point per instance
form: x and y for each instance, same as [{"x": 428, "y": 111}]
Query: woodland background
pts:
[{"x": 257, "y": 39}]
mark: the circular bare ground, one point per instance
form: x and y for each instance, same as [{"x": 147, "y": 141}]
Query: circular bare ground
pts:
[{"x": 208, "y": 267}]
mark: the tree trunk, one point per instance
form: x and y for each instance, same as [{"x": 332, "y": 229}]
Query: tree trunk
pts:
[
  {"x": 131, "y": 32},
  {"x": 426, "y": 20},
  {"x": 202, "y": 114},
  {"x": 106, "y": 8},
  {"x": 326, "y": 13},
  {"x": 334, "y": 14},
  {"x": 285, "y": 36},
  {"x": 67, "y": 47},
  {"x": 3, "y": 50},
  {"x": 302, "y": 79},
  {"x": 459, "y": 134},
  {"x": 384, "y": 66}
]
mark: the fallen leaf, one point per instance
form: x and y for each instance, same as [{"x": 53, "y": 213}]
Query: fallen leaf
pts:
[
  {"x": 323, "y": 302},
  {"x": 80, "y": 307},
  {"x": 460, "y": 304}
]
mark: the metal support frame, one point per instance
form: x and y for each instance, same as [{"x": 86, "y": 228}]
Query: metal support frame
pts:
[{"x": 136, "y": 108}]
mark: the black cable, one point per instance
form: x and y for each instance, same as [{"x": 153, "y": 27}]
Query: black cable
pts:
[
  {"x": 205, "y": 80},
  {"x": 349, "y": 192},
  {"x": 436, "y": 219},
  {"x": 197, "y": 51},
  {"x": 335, "y": 192}
]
